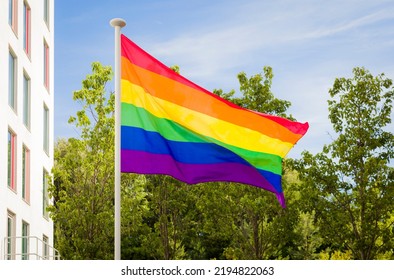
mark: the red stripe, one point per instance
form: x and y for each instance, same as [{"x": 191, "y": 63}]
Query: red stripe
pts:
[{"x": 139, "y": 57}]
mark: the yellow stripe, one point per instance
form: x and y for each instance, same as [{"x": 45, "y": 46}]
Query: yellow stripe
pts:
[{"x": 203, "y": 124}]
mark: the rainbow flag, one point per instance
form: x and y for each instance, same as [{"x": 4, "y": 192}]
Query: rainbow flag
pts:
[{"x": 171, "y": 126}]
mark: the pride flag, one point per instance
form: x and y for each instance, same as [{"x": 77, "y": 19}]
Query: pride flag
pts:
[{"x": 171, "y": 126}]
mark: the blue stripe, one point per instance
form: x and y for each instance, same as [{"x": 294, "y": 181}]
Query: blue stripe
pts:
[
  {"x": 138, "y": 139},
  {"x": 134, "y": 138}
]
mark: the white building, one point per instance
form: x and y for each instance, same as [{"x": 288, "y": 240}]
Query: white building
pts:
[{"x": 26, "y": 127}]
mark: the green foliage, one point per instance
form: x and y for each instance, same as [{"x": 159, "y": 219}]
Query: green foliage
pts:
[
  {"x": 256, "y": 94},
  {"x": 135, "y": 241},
  {"x": 310, "y": 239},
  {"x": 83, "y": 202},
  {"x": 349, "y": 184},
  {"x": 175, "y": 68},
  {"x": 83, "y": 173}
]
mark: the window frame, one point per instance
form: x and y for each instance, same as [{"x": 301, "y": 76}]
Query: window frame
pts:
[
  {"x": 45, "y": 198},
  {"x": 13, "y": 15},
  {"x": 11, "y": 163},
  {"x": 25, "y": 240},
  {"x": 45, "y": 247},
  {"x": 26, "y": 100},
  {"x": 26, "y": 174},
  {"x": 46, "y": 65},
  {"x": 46, "y": 12},
  {"x": 26, "y": 28},
  {"x": 12, "y": 79},
  {"x": 45, "y": 128},
  {"x": 11, "y": 227}
]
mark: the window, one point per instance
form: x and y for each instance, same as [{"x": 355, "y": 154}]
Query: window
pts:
[
  {"x": 13, "y": 15},
  {"x": 12, "y": 80},
  {"x": 45, "y": 247},
  {"x": 26, "y": 28},
  {"x": 46, "y": 65},
  {"x": 26, "y": 101},
  {"x": 46, "y": 130},
  {"x": 11, "y": 160},
  {"x": 25, "y": 240},
  {"x": 46, "y": 11},
  {"x": 26, "y": 174},
  {"x": 45, "y": 199},
  {"x": 10, "y": 250}
]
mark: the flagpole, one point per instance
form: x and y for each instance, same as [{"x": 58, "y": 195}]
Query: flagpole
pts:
[{"x": 117, "y": 23}]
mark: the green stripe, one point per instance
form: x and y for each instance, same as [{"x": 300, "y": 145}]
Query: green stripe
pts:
[{"x": 138, "y": 117}]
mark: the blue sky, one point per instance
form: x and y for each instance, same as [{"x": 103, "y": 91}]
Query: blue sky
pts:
[{"x": 308, "y": 43}]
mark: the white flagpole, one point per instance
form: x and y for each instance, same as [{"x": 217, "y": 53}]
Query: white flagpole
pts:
[{"x": 117, "y": 23}]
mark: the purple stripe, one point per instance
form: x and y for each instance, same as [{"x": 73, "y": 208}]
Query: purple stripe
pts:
[
  {"x": 281, "y": 198},
  {"x": 147, "y": 163}
]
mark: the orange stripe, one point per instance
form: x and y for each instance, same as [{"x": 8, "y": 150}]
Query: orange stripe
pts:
[{"x": 185, "y": 96}]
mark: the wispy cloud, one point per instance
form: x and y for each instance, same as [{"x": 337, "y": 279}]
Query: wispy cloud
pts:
[
  {"x": 350, "y": 25},
  {"x": 233, "y": 43}
]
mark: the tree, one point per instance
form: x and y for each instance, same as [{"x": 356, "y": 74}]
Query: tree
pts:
[
  {"x": 83, "y": 208},
  {"x": 309, "y": 235},
  {"x": 170, "y": 207},
  {"x": 83, "y": 185},
  {"x": 350, "y": 183},
  {"x": 256, "y": 94},
  {"x": 262, "y": 229},
  {"x": 136, "y": 241}
]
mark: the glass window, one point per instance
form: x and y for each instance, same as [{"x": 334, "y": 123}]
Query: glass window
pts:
[
  {"x": 46, "y": 65},
  {"x": 45, "y": 199},
  {"x": 46, "y": 11},
  {"x": 10, "y": 12},
  {"x": 46, "y": 130},
  {"x": 13, "y": 14},
  {"x": 25, "y": 241},
  {"x": 45, "y": 247},
  {"x": 26, "y": 101},
  {"x": 26, "y": 28},
  {"x": 12, "y": 80},
  {"x": 26, "y": 174},
  {"x": 11, "y": 160},
  {"x": 10, "y": 236}
]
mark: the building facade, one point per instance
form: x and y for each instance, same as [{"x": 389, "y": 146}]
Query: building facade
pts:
[{"x": 26, "y": 128}]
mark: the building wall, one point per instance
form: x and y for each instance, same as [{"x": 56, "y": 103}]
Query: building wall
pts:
[{"x": 31, "y": 137}]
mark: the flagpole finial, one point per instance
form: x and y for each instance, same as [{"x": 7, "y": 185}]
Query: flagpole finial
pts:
[{"x": 118, "y": 22}]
